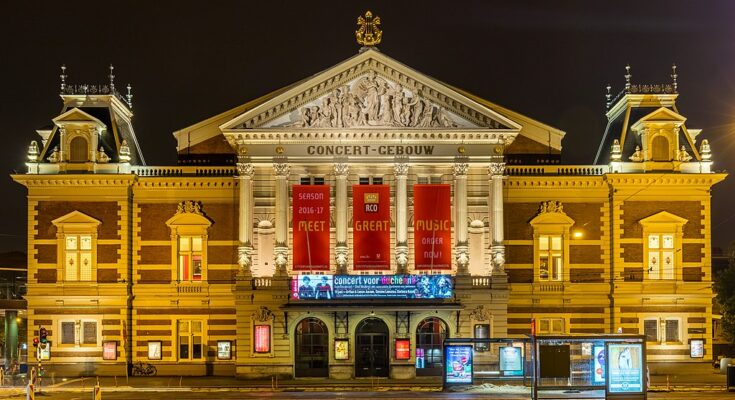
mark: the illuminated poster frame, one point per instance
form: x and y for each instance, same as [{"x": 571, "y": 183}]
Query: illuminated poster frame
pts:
[
  {"x": 598, "y": 364},
  {"x": 696, "y": 348},
  {"x": 262, "y": 339},
  {"x": 109, "y": 350},
  {"x": 341, "y": 349},
  {"x": 155, "y": 350},
  {"x": 511, "y": 356},
  {"x": 458, "y": 368},
  {"x": 224, "y": 349},
  {"x": 625, "y": 372},
  {"x": 403, "y": 349}
]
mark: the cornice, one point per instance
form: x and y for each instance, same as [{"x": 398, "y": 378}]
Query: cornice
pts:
[
  {"x": 34, "y": 180},
  {"x": 665, "y": 179},
  {"x": 555, "y": 181},
  {"x": 187, "y": 182}
]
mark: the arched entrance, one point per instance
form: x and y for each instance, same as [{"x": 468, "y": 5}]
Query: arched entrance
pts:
[
  {"x": 430, "y": 335},
  {"x": 312, "y": 348},
  {"x": 371, "y": 338}
]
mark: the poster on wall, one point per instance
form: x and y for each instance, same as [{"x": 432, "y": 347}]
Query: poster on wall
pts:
[
  {"x": 625, "y": 367},
  {"x": 598, "y": 365},
  {"x": 109, "y": 350},
  {"x": 458, "y": 365},
  {"x": 310, "y": 227},
  {"x": 403, "y": 349},
  {"x": 154, "y": 350},
  {"x": 341, "y": 349},
  {"x": 328, "y": 287},
  {"x": 511, "y": 361},
  {"x": 262, "y": 340},
  {"x": 696, "y": 348},
  {"x": 224, "y": 350},
  {"x": 371, "y": 226},
  {"x": 432, "y": 227}
]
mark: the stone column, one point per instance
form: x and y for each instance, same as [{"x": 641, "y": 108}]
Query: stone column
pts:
[
  {"x": 461, "y": 246},
  {"x": 497, "y": 250},
  {"x": 245, "y": 171},
  {"x": 400, "y": 170},
  {"x": 341, "y": 169},
  {"x": 281, "y": 170}
]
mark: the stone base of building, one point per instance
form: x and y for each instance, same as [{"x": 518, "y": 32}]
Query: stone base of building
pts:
[
  {"x": 78, "y": 369},
  {"x": 264, "y": 371},
  {"x": 402, "y": 371},
  {"x": 341, "y": 371}
]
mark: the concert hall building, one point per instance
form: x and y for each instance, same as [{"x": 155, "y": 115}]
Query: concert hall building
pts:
[{"x": 344, "y": 225}]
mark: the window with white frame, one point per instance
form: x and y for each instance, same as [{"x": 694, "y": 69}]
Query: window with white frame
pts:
[
  {"x": 190, "y": 258},
  {"x": 78, "y": 257},
  {"x": 661, "y": 252},
  {"x": 79, "y": 333},
  {"x": 550, "y": 258},
  {"x": 550, "y": 325},
  {"x": 191, "y": 342},
  {"x": 662, "y": 330},
  {"x": 650, "y": 329},
  {"x": 673, "y": 332}
]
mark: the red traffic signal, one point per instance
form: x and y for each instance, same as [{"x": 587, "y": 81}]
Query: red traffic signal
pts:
[{"x": 35, "y": 342}]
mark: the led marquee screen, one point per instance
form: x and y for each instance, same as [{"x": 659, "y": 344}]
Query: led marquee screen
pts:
[{"x": 329, "y": 287}]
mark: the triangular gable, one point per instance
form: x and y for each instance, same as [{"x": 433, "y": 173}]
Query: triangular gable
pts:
[
  {"x": 363, "y": 75},
  {"x": 76, "y": 218},
  {"x": 662, "y": 115},
  {"x": 663, "y": 217},
  {"x": 76, "y": 115}
]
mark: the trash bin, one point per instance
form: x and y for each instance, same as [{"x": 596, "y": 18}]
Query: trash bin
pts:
[
  {"x": 731, "y": 378},
  {"x": 723, "y": 365}
]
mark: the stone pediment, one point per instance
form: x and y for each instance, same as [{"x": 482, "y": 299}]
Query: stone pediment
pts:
[
  {"x": 76, "y": 115},
  {"x": 370, "y": 91}
]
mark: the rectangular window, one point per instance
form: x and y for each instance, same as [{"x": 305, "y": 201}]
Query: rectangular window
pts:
[
  {"x": 650, "y": 330},
  {"x": 377, "y": 180},
  {"x": 78, "y": 258},
  {"x": 551, "y": 260},
  {"x": 550, "y": 325},
  {"x": 672, "y": 331},
  {"x": 190, "y": 340},
  {"x": 319, "y": 180},
  {"x": 305, "y": 180},
  {"x": 89, "y": 332},
  {"x": 364, "y": 180},
  {"x": 190, "y": 258},
  {"x": 67, "y": 332},
  {"x": 661, "y": 256}
]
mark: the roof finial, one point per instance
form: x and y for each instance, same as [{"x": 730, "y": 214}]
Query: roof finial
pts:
[
  {"x": 608, "y": 96},
  {"x": 63, "y": 77},
  {"x": 129, "y": 96},
  {"x": 112, "y": 78},
  {"x": 627, "y": 77},
  {"x": 674, "y": 75},
  {"x": 368, "y": 34}
]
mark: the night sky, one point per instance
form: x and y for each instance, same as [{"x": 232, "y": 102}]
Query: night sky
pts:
[{"x": 549, "y": 60}]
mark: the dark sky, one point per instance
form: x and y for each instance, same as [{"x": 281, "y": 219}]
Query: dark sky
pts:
[{"x": 549, "y": 60}]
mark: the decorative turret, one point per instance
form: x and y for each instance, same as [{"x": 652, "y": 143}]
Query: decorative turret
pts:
[{"x": 33, "y": 152}]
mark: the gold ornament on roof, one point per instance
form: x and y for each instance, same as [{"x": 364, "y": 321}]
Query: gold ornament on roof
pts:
[{"x": 368, "y": 33}]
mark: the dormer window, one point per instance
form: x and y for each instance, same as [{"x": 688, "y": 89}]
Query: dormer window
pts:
[{"x": 78, "y": 149}]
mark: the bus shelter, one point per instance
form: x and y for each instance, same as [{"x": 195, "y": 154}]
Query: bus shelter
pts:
[{"x": 604, "y": 366}]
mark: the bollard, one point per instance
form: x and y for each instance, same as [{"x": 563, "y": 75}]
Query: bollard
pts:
[
  {"x": 97, "y": 391},
  {"x": 30, "y": 392}
]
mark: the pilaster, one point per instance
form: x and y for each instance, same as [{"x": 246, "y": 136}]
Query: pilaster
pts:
[{"x": 400, "y": 169}]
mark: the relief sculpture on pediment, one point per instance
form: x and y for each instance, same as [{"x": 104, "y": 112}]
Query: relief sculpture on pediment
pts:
[{"x": 373, "y": 101}]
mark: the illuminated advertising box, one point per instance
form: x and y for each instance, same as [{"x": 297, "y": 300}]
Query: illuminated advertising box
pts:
[
  {"x": 403, "y": 349},
  {"x": 598, "y": 365},
  {"x": 341, "y": 349},
  {"x": 696, "y": 348},
  {"x": 224, "y": 350},
  {"x": 511, "y": 361},
  {"x": 328, "y": 287},
  {"x": 109, "y": 350},
  {"x": 262, "y": 339},
  {"x": 625, "y": 368},
  {"x": 458, "y": 365}
]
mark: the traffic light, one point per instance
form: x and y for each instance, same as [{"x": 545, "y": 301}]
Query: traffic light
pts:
[
  {"x": 35, "y": 342},
  {"x": 43, "y": 334}
]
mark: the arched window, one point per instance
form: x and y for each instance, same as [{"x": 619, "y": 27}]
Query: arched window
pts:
[
  {"x": 430, "y": 335},
  {"x": 660, "y": 149},
  {"x": 78, "y": 150},
  {"x": 312, "y": 348}
]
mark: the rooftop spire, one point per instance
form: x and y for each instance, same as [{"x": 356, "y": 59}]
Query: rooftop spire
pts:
[
  {"x": 112, "y": 78},
  {"x": 129, "y": 96},
  {"x": 674, "y": 75},
  {"x": 368, "y": 33},
  {"x": 63, "y": 77},
  {"x": 627, "y": 77}
]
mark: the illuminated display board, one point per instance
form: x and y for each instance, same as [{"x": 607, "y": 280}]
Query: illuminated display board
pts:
[
  {"x": 511, "y": 361},
  {"x": 109, "y": 351},
  {"x": 328, "y": 287},
  {"x": 403, "y": 349},
  {"x": 625, "y": 368},
  {"x": 262, "y": 339},
  {"x": 598, "y": 365},
  {"x": 458, "y": 364},
  {"x": 696, "y": 348},
  {"x": 341, "y": 349}
]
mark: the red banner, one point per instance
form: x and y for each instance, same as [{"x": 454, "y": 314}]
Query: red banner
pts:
[
  {"x": 310, "y": 227},
  {"x": 432, "y": 226},
  {"x": 371, "y": 226}
]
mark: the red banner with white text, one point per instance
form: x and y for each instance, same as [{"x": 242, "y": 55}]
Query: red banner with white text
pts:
[
  {"x": 310, "y": 227},
  {"x": 432, "y": 226},
  {"x": 371, "y": 226}
]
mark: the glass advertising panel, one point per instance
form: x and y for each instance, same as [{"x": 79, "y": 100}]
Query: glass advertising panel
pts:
[
  {"x": 154, "y": 350},
  {"x": 403, "y": 349},
  {"x": 224, "y": 350},
  {"x": 341, "y": 349},
  {"x": 328, "y": 287},
  {"x": 696, "y": 348},
  {"x": 511, "y": 361},
  {"x": 262, "y": 339},
  {"x": 598, "y": 365},
  {"x": 625, "y": 368},
  {"x": 458, "y": 366},
  {"x": 109, "y": 351}
]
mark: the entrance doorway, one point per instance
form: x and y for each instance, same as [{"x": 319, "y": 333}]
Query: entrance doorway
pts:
[
  {"x": 430, "y": 335},
  {"x": 312, "y": 349},
  {"x": 371, "y": 340}
]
